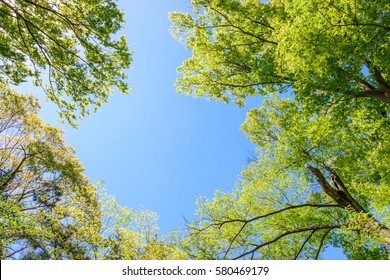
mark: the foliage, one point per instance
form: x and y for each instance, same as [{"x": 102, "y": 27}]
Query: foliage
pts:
[
  {"x": 287, "y": 206},
  {"x": 321, "y": 177},
  {"x": 324, "y": 51},
  {"x": 131, "y": 235},
  {"x": 68, "y": 47},
  {"x": 48, "y": 207}
]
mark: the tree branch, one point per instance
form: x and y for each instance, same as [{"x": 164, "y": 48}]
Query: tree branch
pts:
[
  {"x": 378, "y": 77},
  {"x": 289, "y": 232},
  {"x": 340, "y": 185},
  {"x": 377, "y": 94},
  {"x": 337, "y": 196},
  {"x": 242, "y": 30},
  {"x": 221, "y": 223},
  {"x": 322, "y": 243},
  {"x": 246, "y": 222},
  {"x": 303, "y": 245}
]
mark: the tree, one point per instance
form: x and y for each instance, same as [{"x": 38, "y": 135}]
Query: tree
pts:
[
  {"x": 68, "y": 48},
  {"x": 324, "y": 51},
  {"x": 132, "y": 235},
  {"x": 48, "y": 207},
  {"x": 321, "y": 177},
  {"x": 306, "y": 191}
]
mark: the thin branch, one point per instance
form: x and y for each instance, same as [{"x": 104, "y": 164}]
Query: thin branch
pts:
[
  {"x": 289, "y": 232},
  {"x": 242, "y": 30},
  {"x": 240, "y": 85},
  {"x": 246, "y": 222},
  {"x": 220, "y": 224},
  {"x": 61, "y": 47},
  {"x": 303, "y": 244},
  {"x": 375, "y": 25},
  {"x": 340, "y": 9},
  {"x": 363, "y": 83},
  {"x": 11, "y": 175},
  {"x": 10, "y": 255},
  {"x": 234, "y": 238},
  {"x": 322, "y": 243}
]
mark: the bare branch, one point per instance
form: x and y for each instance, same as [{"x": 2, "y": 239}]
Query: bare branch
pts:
[
  {"x": 221, "y": 223},
  {"x": 289, "y": 232},
  {"x": 322, "y": 243},
  {"x": 303, "y": 244}
]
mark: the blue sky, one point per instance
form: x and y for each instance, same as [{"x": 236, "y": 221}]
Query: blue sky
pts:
[{"x": 155, "y": 148}]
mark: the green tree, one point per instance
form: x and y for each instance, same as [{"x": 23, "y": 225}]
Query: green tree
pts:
[
  {"x": 324, "y": 51},
  {"x": 132, "y": 235},
  {"x": 307, "y": 190},
  {"x": 67, "y": 47},
  {"x": 321, "y": 177},
  {"x": 49, "y": 209}
]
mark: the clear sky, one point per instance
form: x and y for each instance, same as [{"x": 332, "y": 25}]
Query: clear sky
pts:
[{"x": 155, "y": 148}]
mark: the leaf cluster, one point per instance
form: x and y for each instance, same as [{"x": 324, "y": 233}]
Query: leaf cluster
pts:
[{"x": 67, "y": 47}]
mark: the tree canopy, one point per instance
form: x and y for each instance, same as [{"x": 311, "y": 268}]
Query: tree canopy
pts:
[
  {"x": 49, "y": 209},
  {"x": 47, "y": 202},
  {"x": 321, "y": 176},
  {"x": 70, "y": 48},
  {"x": 307, "y": 190},
  {"x": 324, "y": 51}
]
